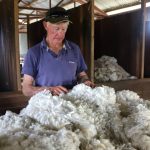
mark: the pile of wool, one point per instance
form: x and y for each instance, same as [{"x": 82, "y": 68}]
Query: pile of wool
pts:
[
  {"x": 99, "y": 106},
  {"x": 107, "y": 69},
  {"x": 56, "y": 113},
  {"x": 21, "y": 132},
  {"x": 88, "y": 112},
  {"x": 136, "y": 119},
  {"x": 83, "y": 119}
]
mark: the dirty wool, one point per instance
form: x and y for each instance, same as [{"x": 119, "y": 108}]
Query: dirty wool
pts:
[
  {"x": 107, "y": 69},
  {"x": 83, "y": 119}
]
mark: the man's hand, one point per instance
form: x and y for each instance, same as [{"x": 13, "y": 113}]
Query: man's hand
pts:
[
  {"x": 57, "y": 90},
  {"x": 83, "y": 78},
  {"x": 30, "y": 90},
  {"x": 89, "y": 83}
]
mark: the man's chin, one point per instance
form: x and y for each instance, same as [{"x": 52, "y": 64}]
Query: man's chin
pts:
[{"x": 59, "y": 41}]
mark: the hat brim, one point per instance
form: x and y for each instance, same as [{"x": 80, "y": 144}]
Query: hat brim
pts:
[{"x": 58, "y": 20}]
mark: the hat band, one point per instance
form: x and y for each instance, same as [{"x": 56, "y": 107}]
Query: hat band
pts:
[{"x": 57, "y": 16}]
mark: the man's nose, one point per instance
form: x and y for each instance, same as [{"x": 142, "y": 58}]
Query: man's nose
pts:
[{"x": 61, "y": 32}]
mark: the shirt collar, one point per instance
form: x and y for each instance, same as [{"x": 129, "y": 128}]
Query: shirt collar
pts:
[{"x": 66, "y": 45}]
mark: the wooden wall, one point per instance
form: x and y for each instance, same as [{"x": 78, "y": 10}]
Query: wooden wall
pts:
[
  {"x": 147, "y": 50},
  {"x": 81, "y": 31},
  {"x": 119, "y": 36},
  {"x": 9, "y": 53},
  {"x": 35, "y": 33}
]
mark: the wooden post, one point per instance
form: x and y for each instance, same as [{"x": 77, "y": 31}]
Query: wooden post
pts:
[
  {"x": 16, "y": 26},
  {"x": 143, "y": 11},
  {"x": 92, "y": 42},
  {"x": 28, "y": 22},
  {"x": 74, "y": 3},
  {"x": 50, "y": 4},
  {"x": 9, "y": 46}
]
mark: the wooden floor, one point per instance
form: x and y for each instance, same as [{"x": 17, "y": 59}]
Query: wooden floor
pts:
[
  {"x": 140, "y": 86},
  {"x": 15, "y": 101}
]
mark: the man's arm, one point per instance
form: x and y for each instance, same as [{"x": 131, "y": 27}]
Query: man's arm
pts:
[
  {"x": 83, "y": 78},
  {"x": 29, "y": 89},
  {"x": 27, "y": 86}
]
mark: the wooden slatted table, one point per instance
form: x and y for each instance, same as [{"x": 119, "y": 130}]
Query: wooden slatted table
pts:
[
  {"x": 13, "y": 101},
  {"x": 140, "y": 86}
]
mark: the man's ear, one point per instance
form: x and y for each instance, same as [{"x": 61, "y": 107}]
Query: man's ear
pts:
[{"x": 45, "y": 25}]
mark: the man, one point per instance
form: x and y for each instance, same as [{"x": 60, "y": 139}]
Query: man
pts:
[{"x": 55, "y": 63}]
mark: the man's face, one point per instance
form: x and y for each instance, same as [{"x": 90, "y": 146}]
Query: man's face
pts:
[{"x": 56, "y": 32}]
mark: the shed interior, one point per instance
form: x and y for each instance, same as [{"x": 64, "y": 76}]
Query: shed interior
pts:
[{"x": 119, "y": 36}]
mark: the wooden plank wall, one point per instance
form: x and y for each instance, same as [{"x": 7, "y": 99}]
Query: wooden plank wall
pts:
[
  {"x": 35, "y": 33},
  {"x": 147, "y": 50},
  {"x": 147, "y": 45},
  {"x": 9, "y": 70},
  {"x": 119, "y": 36},
  {"x": 81, "y": 32}
]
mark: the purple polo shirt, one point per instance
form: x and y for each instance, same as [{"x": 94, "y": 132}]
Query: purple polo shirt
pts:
[{"x": 50, "y": 69}]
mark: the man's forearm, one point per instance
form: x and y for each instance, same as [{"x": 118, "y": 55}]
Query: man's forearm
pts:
[
  {"x": 32, "y": 90},
  {"x": 83, "y": 78}
]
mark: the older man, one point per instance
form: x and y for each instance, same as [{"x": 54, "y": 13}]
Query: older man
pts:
[{"x": 55, "y": 63}]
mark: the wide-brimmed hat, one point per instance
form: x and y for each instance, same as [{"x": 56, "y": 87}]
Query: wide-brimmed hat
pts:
[{"x": 57, "y": 15}]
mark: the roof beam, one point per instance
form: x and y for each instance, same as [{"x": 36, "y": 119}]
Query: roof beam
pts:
[
  {"x": 81, "y": 1},
  {"x": 59, "y": 3},
  {"x": 33, "y": 8},
  {"x": 28, "y": 4},
  {"x": 68, "y": 3},
  {"x": 96, "y": 9},
  {"x": 99, "y": 11},
  {"x": 23, "y": 14}
]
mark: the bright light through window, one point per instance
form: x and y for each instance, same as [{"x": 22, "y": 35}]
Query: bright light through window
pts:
[{"x": 127, "y": 9}]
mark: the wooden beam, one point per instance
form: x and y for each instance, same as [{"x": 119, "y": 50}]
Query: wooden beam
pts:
[
  {"x": 25, "y": 3},
  {"x": 96, "y": 9},
  {"x": 143, "y": 11},
  {"x": 23, "y": 14},
  {"x": 81, "y": 1},
  {"x": 59, "y": 3},
  {"x": 68, "y": 3},
  {"x": 97, "y": 16},
  {"x": 28, "y": 20},
  {"x": 92, "y": 40},
  {"x": 10, "y": 63},
  {"x": 18, "y": 75},
  {"x": 33, "y": 8},
  {"x": 50, "y": 4},
  {"x": 28, "y": 4},
  {"x": 99, "y": 11},
  {"x": 31, "y": 17},
  {"x": 72, "y": 2}
]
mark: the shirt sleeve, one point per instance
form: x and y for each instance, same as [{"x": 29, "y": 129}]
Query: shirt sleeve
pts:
[
  {"x": 81, "y": 63},
  {"x": 30, "y": 64}
]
